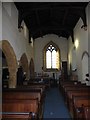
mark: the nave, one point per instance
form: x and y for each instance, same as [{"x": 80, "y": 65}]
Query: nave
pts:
[
  {"x": 45, "y": 45},
  {"x": 70, "y": 99}
]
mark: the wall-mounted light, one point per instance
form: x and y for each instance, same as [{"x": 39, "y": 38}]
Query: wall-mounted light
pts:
[
  {"x": 84, "y": 27},
  {"x": 20, "y": 28},
  {"x": 18, "y": 62},
  {"x": 76, "y": 43}
]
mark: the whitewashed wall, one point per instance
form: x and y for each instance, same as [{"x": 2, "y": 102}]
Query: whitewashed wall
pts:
[
  {"x": 70, "y": 47},
  {"x": 40, "y": 44},
  {"x": 10, "y": 31},
  {"x": 0, "y": 20},
  {"x": 82, "y": 36},
  {"x": 88, "y": 15},
  {"x": 0, "y": 59}
]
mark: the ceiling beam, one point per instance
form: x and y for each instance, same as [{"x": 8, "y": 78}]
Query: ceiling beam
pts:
[
  {"x": 83, "y": 16},
  {"x": 57, "y": 27},
  {"x": 51, "y": 13},
  {"x": 36, "y": 30},
  {"x": 78, "y": 10},
  {"x": 65, "y": 16},
  {"x": 26, "y": 12},
  {"x": 19, "y": 19},
  {"x": 45, "y": 7},
  {"x": 38, "y": 22}
]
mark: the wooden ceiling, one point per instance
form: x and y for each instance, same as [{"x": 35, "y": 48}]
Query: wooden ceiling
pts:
[{"x": 57, "y": 18}]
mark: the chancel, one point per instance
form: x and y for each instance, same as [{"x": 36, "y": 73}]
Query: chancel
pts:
[{"x": 44, "y": 47}]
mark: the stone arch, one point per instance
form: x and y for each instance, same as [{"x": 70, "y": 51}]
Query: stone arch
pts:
[
  {"x": 11, "y": 62},
  {"x": 85, "y": 52},
  {"x": 84, "y": 60},
  {"x": 31, "y": 68},
  {"x": 24, "y": 63}
]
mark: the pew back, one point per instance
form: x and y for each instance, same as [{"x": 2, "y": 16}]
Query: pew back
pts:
[
  {"x": 86, "y": 110},
  {"x": 20, "y": 108},
  {"x": 20, "y": 105},
  {"x": 78, "y": 103}
]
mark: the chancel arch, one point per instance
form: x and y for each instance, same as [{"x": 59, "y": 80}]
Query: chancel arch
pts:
[{"x": 10, "y": 56}]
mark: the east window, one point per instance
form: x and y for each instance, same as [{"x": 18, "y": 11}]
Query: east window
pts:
[{"x": 51, "y": 57}]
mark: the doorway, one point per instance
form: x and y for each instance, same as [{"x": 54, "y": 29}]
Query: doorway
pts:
[{"x": 64, "y": 66}]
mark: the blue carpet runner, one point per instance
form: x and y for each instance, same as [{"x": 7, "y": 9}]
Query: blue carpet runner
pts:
[{"x": 55, "y": 106}]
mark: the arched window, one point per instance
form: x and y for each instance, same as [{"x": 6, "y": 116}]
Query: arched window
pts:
[{"x": 51, "y": 57}]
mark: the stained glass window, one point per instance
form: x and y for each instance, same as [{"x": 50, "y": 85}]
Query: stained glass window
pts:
[{"x": 52, "y": 57}]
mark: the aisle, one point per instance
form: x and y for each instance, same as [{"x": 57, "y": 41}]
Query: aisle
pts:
[{"x": 54, "y": 105}]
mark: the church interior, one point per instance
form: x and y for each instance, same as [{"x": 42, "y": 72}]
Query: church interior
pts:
[{"x": 44, "y": 60}]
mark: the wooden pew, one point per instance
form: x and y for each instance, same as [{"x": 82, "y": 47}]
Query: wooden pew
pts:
[
  {"x": 41, "y": 91},
  {"x": 18, "y": 106},
  {"x": 35, "y": 87},
  {"x": 37, "y": 81},
  {"x": 32, "y": 86},
  {"x": 73, "y": 88},
  {"x": 86, "y": 112},
  {"x": 70, "y": 89},
  {"x": 72, "y": 85},
  {"x": 64, "y": 83},
  {"x": 71, "y": 94},
  {"x": 78, "y": 103},
  {"x": 21, "y": 95},
  {"x": 26, "y": 93},
  {"x": 75, "y": 91},
  {"x": 16, "y": 116}
]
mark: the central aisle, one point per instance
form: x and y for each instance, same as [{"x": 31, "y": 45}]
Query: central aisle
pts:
[{"x": 54, "y": 105}]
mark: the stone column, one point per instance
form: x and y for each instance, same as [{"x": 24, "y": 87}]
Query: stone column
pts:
[{"x": 12, "y": 80}]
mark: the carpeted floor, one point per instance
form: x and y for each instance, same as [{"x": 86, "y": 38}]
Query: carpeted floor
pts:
[{"x": 55, "y": 106}]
